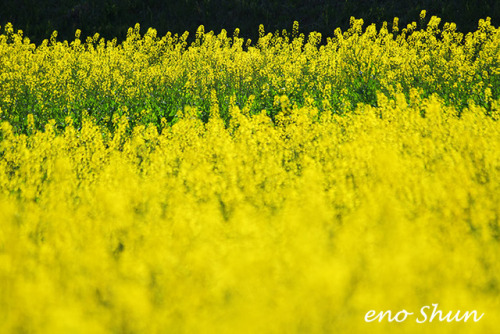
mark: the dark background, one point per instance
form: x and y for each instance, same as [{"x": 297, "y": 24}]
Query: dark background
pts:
[{"x": 39, "y": 18}]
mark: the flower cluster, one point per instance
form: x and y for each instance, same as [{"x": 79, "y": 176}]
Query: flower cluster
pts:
[
  {"x": 302, "y": 224},
  {"x": 286, "y": 187},
  {"x": 148, "y": 78}
]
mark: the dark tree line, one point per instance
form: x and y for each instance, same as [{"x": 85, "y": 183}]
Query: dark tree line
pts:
[{"x": 39, "y": 18}]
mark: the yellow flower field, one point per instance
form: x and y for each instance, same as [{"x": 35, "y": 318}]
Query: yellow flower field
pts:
[{"x": 298, "y": 218}]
